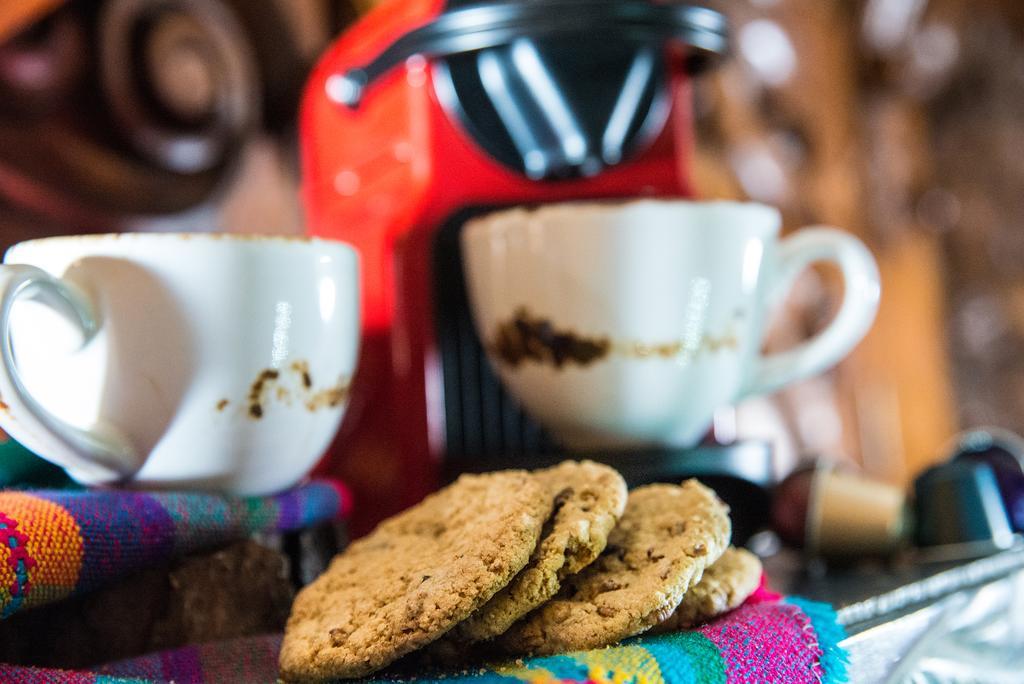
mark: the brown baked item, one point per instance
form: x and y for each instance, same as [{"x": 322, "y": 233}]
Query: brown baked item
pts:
[
  {"x": 666, "y": 537},
  {"x": 726, "y": 584},
  {"x": 589, "y": 499},
  {"x": 414, "y": 577}
]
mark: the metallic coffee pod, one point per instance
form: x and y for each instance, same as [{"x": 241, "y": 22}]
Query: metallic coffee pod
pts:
[
  {"x": 959, "y": 503},
  {"x": 836, "y": 513},
  {"x": 1004, "y": 452},
  {"x": 831, "y": 512},
  {"x": 849, "y": 515}
]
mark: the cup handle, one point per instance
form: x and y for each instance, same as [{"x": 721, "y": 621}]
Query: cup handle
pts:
[
  {"x": 99, "y": 455},
  {"x": 856, "y": 314}
]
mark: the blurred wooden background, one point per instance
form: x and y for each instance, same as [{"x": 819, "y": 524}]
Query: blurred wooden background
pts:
[{"x": 901, "y": 121}]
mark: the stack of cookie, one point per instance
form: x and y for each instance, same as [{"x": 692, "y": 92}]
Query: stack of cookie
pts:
[{"x": 523, "y": 563}]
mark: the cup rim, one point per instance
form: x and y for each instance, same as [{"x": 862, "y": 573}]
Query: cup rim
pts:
[
  {"x": 208, "y": 238},
  {"x": 484, "y": 225}
]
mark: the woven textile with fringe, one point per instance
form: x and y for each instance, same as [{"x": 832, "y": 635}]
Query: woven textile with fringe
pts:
[{"x": 788, "y": 641}]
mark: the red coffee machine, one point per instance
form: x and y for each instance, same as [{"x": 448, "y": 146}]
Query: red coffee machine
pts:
[{"x": 428, "y": 112}]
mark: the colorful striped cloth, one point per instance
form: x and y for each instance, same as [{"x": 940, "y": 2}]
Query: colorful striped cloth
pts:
[
  {"x": 791, "y": 641},
  {"x": 56, "y": 543}
]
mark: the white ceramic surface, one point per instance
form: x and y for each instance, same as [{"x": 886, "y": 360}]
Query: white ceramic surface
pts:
[
  {"x": 186, "y": 361},
  {"x": 673, "y": 295}
]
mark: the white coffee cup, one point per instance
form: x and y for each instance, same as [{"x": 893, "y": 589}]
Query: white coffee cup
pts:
[
  {"x": 175, "y": 360},
  {"x": 629, "y": 324}
]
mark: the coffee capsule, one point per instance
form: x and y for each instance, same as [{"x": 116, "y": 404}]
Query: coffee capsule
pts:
[
  {"x": 959, "y": 503},
  {"x": 1003, "y": 451},
  {"x": 835, "y": 513}
]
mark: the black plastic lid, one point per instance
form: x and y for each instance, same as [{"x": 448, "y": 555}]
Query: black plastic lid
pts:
[{"x": 479, "y": 26}]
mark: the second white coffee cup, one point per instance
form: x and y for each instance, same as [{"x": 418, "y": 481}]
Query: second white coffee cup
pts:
[{"x": 626, "y": 324}]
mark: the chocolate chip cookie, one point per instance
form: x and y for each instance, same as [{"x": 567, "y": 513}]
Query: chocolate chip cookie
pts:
[
  {"x": 666, "y": 537},
  {"x": 724, "y": 586},
  {"x": 414, "y": 577},
  {"x": 589, "y": 500}
]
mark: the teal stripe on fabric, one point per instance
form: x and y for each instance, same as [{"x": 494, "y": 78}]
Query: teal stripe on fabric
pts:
[
  {"x": 686, "y": 658},
  {"x": 563, "y": 667},
  {"x": 260, "y": 513},
  {"x": 560, "y": 666},
  {"x": 198, "y": 520},
  {"x": 834, "y": 659},
  {"x": 683, "y": 658},
  {"x": 487, "y": 677}
]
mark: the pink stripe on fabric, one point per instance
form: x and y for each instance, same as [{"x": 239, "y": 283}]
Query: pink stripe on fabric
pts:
[
  {"x": 344, "y": 494},
  {"x": 257, "y": 664},
  {"x": 183, "y": 666},
  {"x": 763, "y": 593},
  {"x": 811, "y": 642},
  {"x": 10, "y": 674},
  {"x": 775, "y": 628}
]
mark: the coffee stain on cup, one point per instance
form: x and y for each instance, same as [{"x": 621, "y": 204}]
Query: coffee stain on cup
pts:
[
  {"x": 529, "y": 338},
  {"x": 270, "y": 384},
  {"x": 332, "y": 397},
  {"x": 258, "y": 391},
  {"x": 302, "y": 369}
]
